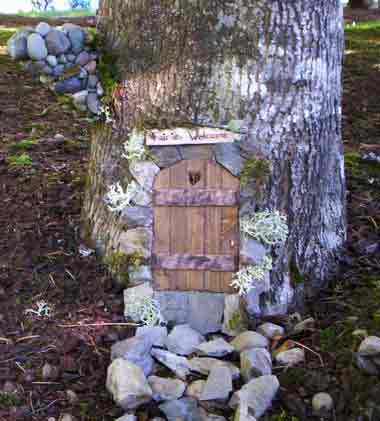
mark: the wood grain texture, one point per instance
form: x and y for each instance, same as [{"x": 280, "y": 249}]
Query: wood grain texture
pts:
[{"x": 195, "y": 227}]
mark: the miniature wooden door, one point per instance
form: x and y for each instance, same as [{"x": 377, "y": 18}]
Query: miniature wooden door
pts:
[{"x": 196, "y": 233}]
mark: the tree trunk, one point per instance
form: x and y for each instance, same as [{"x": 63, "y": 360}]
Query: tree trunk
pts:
[
  {"x": 363, "y": 4},
  {"x": 273, "y": 64}
]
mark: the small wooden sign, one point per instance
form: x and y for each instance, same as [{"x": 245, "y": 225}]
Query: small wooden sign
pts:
[{"x": 187, "y": 136}]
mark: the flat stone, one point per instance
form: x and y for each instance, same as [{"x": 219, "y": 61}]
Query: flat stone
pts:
[
  {"x": 92, "y": 81},
  {"x": 322, "y": 404},
  {"x": 203, "y": 365},
  {"x": 235, "y": 320},
  {"x": 251, "y": 251},
  {"x": 367, "y": 365},
  {"x": 157, "y": 334},
  {"x": 83, "y": 58},
  {"x": 166, "y": 389},
  {"x": 144, "y": 173},
  {"x": 17, "y": 44},
  {"x": 137, "y": 240},
  {"x": 69, "y": 86},
  {"x": 178, "y": 365},
  {"x": 370, "y": 346},
  {"x": 57, "y": 42},
  {"x": 215, "y": 348},
  {"x": 80, "y": 100},
  {"x": 91, "y": 67},
  {"x": 195, "y": 388},
  {"x": 76, "y": 36},
  {"x": 196, "y": 152},
  {"x": 36, "y": 47},
  {"x": 136, "y": 293},
  {"x": 270, "y": 330},
  {"x": 127, "y": 384},
  {"x": 255, "y": 362},
  {"x": 137, "y": 351},
  {"x": 242, "y": 414},
  {"x": 93, "y": 103},
  {"x": 185, "y": 409},
  {"x": 192, "y": 308},
  {"x": 52, "y": 60},
  {"x": 258, "y": 394},
  {"x": 139, "y": 274},
  {"x": 142, "y": 198},
  {"x": 127, "y": 417},
  {"x": 248, "y": 340},
  {"x": 218, "y": 384},
  {"x": 183, "y": 340},
  {"x": 210, "y": 417},
  {"x": 83, "y": 74},
  {"x": 228, "y": 155},
  {"x": 43, "y": 28},
  {"x": 291, "y": 357},
  {"x": 165, "y": 156},
  {"x": 137, "y": 216}
]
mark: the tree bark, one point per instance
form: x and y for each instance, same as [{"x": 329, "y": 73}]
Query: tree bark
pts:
[{"x": 276, "y": 65}]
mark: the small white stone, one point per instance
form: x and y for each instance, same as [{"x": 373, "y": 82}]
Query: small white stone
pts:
[
  {"x": 270, "y": 330},
  {"x": 322, "y": 404},
  {"x": 248, "y": 340},
  {"x": 370, "y": 346},
  {"x": 291, "y": 357}
]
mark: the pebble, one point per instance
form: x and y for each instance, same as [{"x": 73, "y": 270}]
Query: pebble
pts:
[
  {"x": 165, "y": 389},
  {"x": 307, "y": 324},
  {"x": 291, "y": 357},
  {"x": 270, "y": 330},
  {"x": 215, "y": 348},
  {"x": 322, "y": 404},
  {"x": 370, "y": 346},
  {"x": 52, "y": 60},
  {"x": 248, "y": 340}
]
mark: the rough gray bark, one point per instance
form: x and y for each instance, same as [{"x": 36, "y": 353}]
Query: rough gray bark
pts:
[{"x": 276, "y": 65}]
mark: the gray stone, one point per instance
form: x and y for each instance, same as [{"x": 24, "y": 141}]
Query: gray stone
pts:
[
  {"x": 367, "y": 365},
  {"x": 47, "y": 70},
  {"x": 69, "y": 86},
  {"x": 291, "y": 357},
  {"x": 183, "y": 340},
  {"x": 258, "y": 394},
  {"x": 139, "y": 274},
  {"x": 248, "y": 340},
  {"x": 71, "y": 58},
  {"x": 49, "y": 372},
  {"x": 57, "y": 42},
  {"x": 142, "y": 198},
  {"x": 99, "y": 89},
  {"x": 91, "y": 67},
  {"x": 218, "y": 384},
  {"x": 228, "y": 155},
  {"x": 178, "y": 365},
  {"x": 307, "y": 324},
  {"x": 196, "y": 152},
  {"x": 370, "y": 347},
  {"x": 92, "y": 81},
  {"x": 192, "y": 308},
  {"x": 166, "y": 389},
  {"x": 270, "y": 330},
  {"x": 17, "y": 45},
  {"x": 83, "y": 58},
  {"x": 127, "y": 384},
  {"x": 59, "y": 70},
  {"x": 83, "y": 74},
  {"x": 255, "y": 362},
  {"x": 203, "y": 365},
  {"x": 144, "y": 173},
  {"x": 322, "y": 404},
  {"x": 137, "y": 351},
  {"x": 80, "y": 100},
  {"x": 251, "y": 251},
  {"x": 211, "y": 417},
  {"x": 93, "y": 103},
  {"x": 136, "y": 293},
  {"x": 215, "y": 348},
  {"x": 157, "y": 334},
  {"x": 235, "y": 320},
  {"x": 36, "y": 47},
  {"x": 127, "y": 417},
  {"x": 137, "y": 240},
  {"x": 165, "y": 156},
  {"x": 195, "y": 388},
  {"x": 137, "y": 216},
  {"x": 43, "y": 28},
  {"x": 52, "y": 60},
  {"x": 62, "y": 59},
  {"x": 242, "y": 414},
  {"x": 185, "y": 409},
  {"x": 76, "y": 36}
]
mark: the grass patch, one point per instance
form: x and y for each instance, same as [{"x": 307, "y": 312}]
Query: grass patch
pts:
[
  {"x": 22, "y": 160},
  {"x": 9, "y": 399},
  {"x": 5, "y": 34},
  {"x": 58, "y": 13},
  {"x": 24, "y": 145}
]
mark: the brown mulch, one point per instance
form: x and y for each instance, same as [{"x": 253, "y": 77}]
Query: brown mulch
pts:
[{"x": 361, "y": 15}]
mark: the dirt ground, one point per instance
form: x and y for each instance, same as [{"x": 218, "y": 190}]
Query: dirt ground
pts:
[{"x": 41, "y": 186}]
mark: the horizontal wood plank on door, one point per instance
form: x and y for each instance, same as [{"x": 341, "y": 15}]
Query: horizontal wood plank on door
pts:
[
  {"x": 195, "y": 197},
  {"x": 219, "y": 263}
]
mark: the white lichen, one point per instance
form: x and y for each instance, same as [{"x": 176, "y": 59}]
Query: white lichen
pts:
[
  {"x": 117, "y": 199},
  {"x": 43, "y": 309},
  {"x": 143, "y": 309},
  {"x": 134, "y": 148},
  {"x": 106, "y": 113},
  {"x": 268, "y": 227},
  {"x": 246, "y": 278}
]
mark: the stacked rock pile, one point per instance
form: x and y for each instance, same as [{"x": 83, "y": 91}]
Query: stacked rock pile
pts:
[
  {"x": 62, "y": 57},
  {"x": 183, "y": 375}
]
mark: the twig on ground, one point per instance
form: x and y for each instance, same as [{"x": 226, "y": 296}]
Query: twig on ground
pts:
[
  {"x": 312, "y": 351},
  {"x": 100, "y": 324}
]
